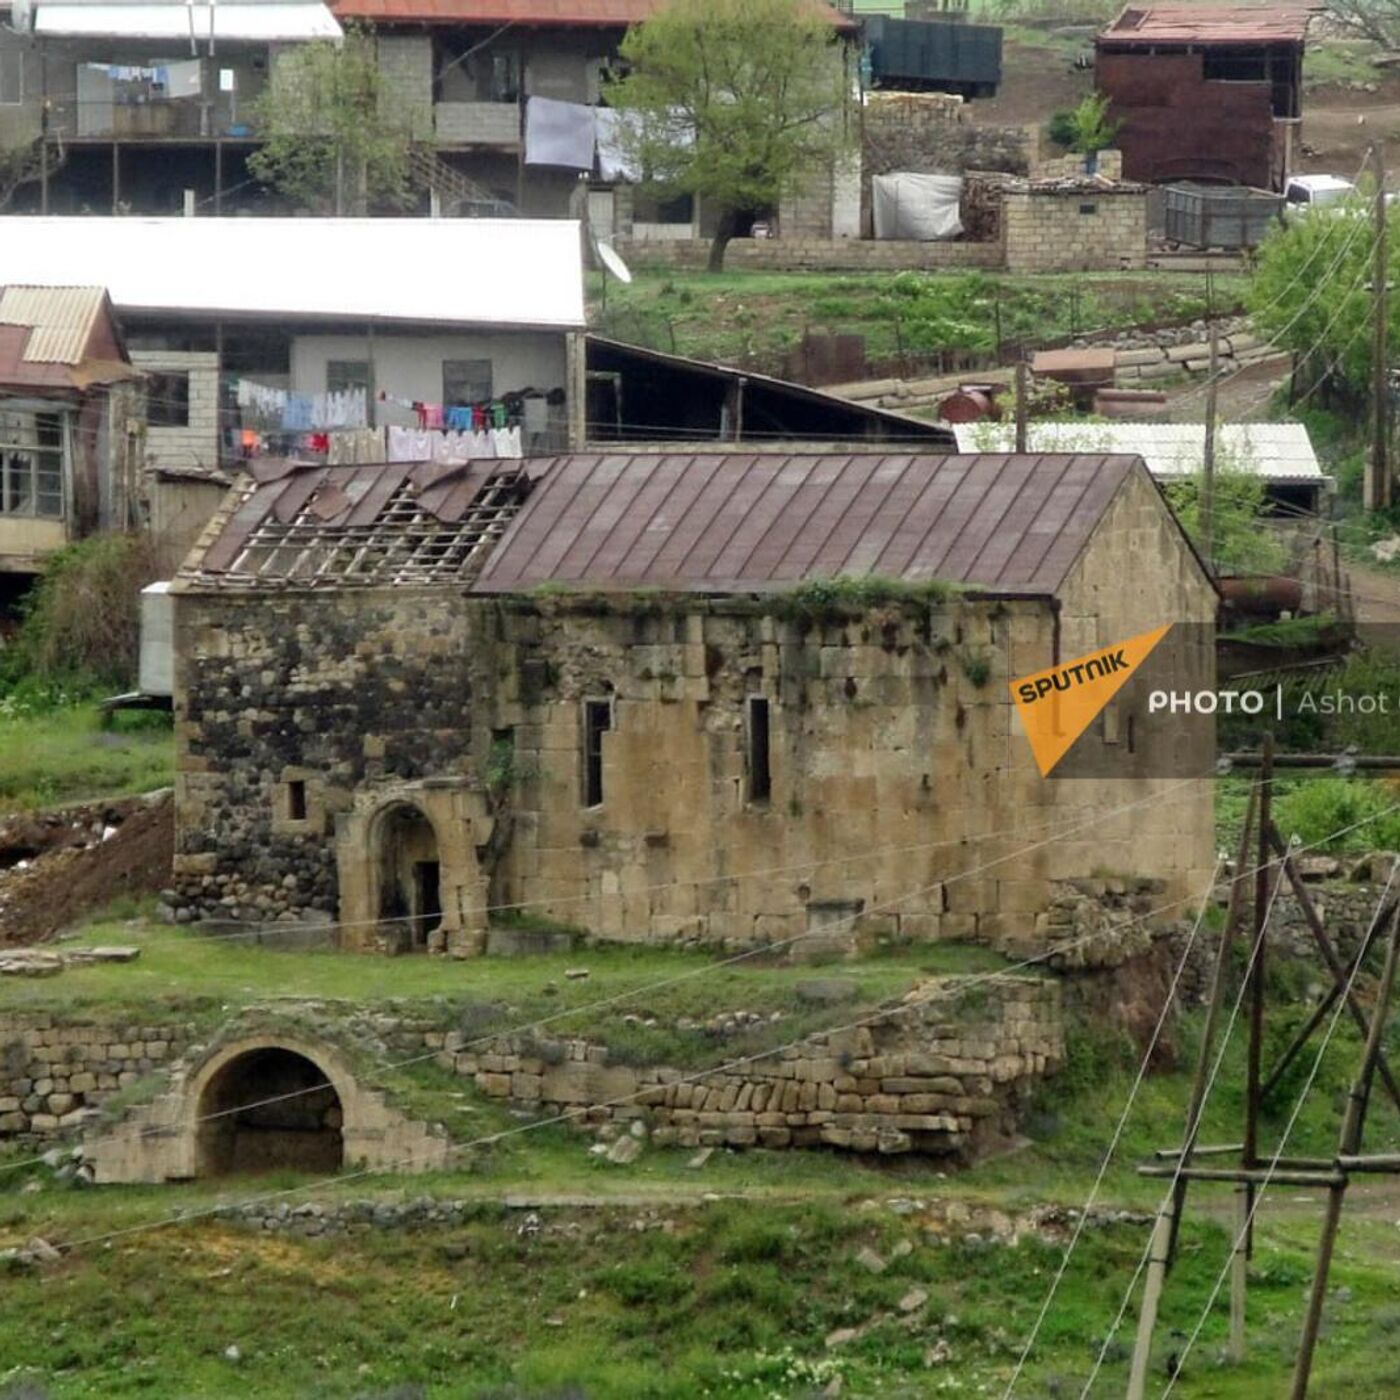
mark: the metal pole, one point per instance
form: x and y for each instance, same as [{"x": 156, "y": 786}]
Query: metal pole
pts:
[
  {"x": 1378, "y": 484},
  {"x": 1208, "y": 455},
  {"x": 1021, "y": 406},
  {"x": 1352, "y": 1126}
]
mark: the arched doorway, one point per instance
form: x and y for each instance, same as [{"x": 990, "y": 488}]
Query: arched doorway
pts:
[
  {"x": 269, "y": 1109},
  {"x": 409, "y": 877}
]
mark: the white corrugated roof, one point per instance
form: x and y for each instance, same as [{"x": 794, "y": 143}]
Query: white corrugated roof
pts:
[
  {"x": 1274, "y": 451},
  {"x": 266, "y": 21},
  {"x": 62, "y": 319},
  {"x": 481, "y": 272}
]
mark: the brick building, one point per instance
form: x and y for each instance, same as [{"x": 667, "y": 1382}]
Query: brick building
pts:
[
  {"x": 616, "y": 690},
  {"x": 1205, "y": 92}
]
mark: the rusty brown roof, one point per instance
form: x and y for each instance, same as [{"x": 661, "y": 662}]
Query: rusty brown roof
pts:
[
  {"x": 738, "y": 522},
  {"x": 1209, "y": 24},
  {"x": 59, "y": 338},
  {"x": 307, "y": 525}
]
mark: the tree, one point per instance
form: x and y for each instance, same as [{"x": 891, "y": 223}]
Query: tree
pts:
[
  {"x": 1372, "y": 19},
  {"x": 332, "y": 137},
  {"x": 1088, "y": 127},
  {"x": 737, "y": 101},
  {"x": 22, "y": 164},
  {"x": 1310, "y": 292}
]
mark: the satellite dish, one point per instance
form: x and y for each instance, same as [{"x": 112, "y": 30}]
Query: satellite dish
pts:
[{"x": 612, "y": 260}]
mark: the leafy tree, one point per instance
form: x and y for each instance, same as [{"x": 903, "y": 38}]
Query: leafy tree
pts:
[
  {"x": 332, "y": 137},
  {"x": 1087, "y": 126},
  {"x": 737, "y": 101},
  {"x": 1372, "y": 19},
  {"x": 1239, "y": 543},
  {"x": 1310, "y": 292},
  {"x": 22, "y": 164}
]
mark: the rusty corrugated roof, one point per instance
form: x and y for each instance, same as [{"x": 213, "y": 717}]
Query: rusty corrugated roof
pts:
[
  {"x": 308, "y": 525},
  {"x": 1210, "y": 24},
  {"x": 737, "y": 522},
  {"x": 555, "y": 14},
  {"x": 61, "y": 320}
]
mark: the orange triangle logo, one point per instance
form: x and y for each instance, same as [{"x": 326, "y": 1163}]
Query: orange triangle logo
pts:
[{"x": 1058, "y": 704}]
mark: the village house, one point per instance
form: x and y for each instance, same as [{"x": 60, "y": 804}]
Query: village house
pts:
[
  {"x": 263, "y": 337},
  {"x": 68, "y": 463},
  {"x": 616, "y": 689},
  {"x": 136, "y": 103},
  {"x": 1205, "y": 92}
]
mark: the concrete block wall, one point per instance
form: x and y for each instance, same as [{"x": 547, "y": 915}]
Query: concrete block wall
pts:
[
  {"x": 477, "y": 123},
  {"x": 196, "y": 444},
  {"x": 815, "y": 254},
  {"x": 1077, "y": 229},
  {"x": 406, "y": 76}
]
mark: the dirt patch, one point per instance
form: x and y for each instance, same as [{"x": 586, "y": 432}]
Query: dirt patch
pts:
[{"x": 57, "y": 867}]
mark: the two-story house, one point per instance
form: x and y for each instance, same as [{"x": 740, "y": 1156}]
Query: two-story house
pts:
[{"x": 138, "y": 103}]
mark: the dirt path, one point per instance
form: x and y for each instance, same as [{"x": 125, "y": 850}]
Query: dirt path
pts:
[{"x": 1376, "y": 594}]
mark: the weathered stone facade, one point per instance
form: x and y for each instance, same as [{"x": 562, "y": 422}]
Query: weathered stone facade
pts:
[
  {"x": 306, "y": 719},
  {"x": 946, "y": 1073}
]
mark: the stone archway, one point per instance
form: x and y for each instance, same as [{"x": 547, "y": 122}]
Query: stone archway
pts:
[
  {"x": 407, "y": 875},
  {"x": 269, "y": 1109},
  {"x": 213, "y": 1119},
  {"x": 407, "y": 869}
]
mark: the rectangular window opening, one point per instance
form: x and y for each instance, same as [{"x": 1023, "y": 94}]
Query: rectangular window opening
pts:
[
  {"x": 343, "y": 375},
  {"x": 31, "y": 464},
  {"x": 168, "y": 399},
  {"x": 760, "y": 760},
  {"x": 597, "y": 721},
  {"x": 466, "y": 382},
  {"x": 296, "y": 800}
]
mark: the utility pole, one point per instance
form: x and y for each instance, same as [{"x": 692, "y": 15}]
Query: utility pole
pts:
[
  {"x": 1208, "y": 452},
  {"x": 1378, "y": 493},
  {"x": 1021, "y": 405}
]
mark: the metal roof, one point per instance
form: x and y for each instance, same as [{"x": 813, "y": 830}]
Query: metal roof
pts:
[
  {"x": 1209, "y": 24},
  {"x": 1273, "y": 451},
  {"x": 61, "y": 320},
  {"x": 457, "y": 272},
  {"x": 259, "y": 21},
  {"x": 736, "y": 522},
  {"x": 558, "y": 14},
  {"x": 306, "y": 525}
]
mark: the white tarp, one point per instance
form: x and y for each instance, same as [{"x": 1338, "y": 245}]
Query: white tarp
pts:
[
  {"x": 559, "y": 133},
  {"x": 920, "y": 207}
]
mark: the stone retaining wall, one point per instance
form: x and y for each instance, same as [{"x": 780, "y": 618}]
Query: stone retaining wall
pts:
[
  {"x": 814, "y": 254},
  {"x": 55, "y": 1074},
  {"x": 946, "y": 1073}
]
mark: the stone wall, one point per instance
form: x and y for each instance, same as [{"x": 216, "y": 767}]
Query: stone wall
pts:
[
  {"x": 892, "y": 747},
  {"x": 333, "y": 692},
  {"x": 813, "y": 254},
  {"x": 947, "y": 1073},
  {"x": 925, "y": 133},
  {"x": 56, "y": 1072},
  {"x": 1054, "y": 228}
]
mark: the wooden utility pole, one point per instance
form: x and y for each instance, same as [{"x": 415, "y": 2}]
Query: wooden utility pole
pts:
[
  {"x": 1348, "y": 1146},
  {"x": 1022, "y": 407},
  {"x": 1378, "y": 493},
  {"x": 1208, "y": 454}
]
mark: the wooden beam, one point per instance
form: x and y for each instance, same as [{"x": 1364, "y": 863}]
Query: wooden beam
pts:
[{"x": 1249, "y": 1176}]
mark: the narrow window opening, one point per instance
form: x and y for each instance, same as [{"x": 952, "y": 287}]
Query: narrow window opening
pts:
[
  {"x": 597, "y": 721},
  {"x": 296, "y": 800},
  {"x": 1131, "y": 731},
  {"x": 760, "y": 750}
]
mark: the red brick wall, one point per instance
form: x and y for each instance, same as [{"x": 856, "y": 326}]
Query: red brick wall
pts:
[{"x": 1175, "y": 125}]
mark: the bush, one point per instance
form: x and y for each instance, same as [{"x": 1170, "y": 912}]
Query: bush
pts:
[
  {"x": 82, "y": 622},
  {"x": 1316, "y": 809}
]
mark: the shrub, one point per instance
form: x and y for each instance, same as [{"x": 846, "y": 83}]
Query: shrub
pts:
[
  {"x": 82, "y": 622},
  {"x": 1316, "y": 809}
]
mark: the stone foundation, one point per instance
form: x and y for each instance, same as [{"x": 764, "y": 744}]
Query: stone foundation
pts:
[{"x": 946, "y": 1074}]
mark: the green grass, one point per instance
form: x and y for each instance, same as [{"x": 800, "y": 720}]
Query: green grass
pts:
[
  {"x": 65, "y": 755},
  {"x": 754, "y": 318},
  {"x": 214, "y": 976},
  {"x": 1340, "y": 61}
]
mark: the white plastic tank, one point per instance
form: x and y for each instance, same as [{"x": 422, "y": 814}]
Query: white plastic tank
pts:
[{"x": 157, "y": 669}]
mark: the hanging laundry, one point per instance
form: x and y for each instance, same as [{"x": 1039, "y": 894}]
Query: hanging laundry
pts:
[
  {"x": 297, "y": 413},
  {"x": 182, "y": 79},
  {"x": 559, "y": 133},
  {"x": 355, "y": 447},
  {"x": 506, "y": 442}
]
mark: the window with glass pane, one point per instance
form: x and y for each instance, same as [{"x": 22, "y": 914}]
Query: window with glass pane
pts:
[
  {"x": 31, "y": 464},
  {"x": 466, "y": 382},
  {"x": 343, "y": 375}
]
